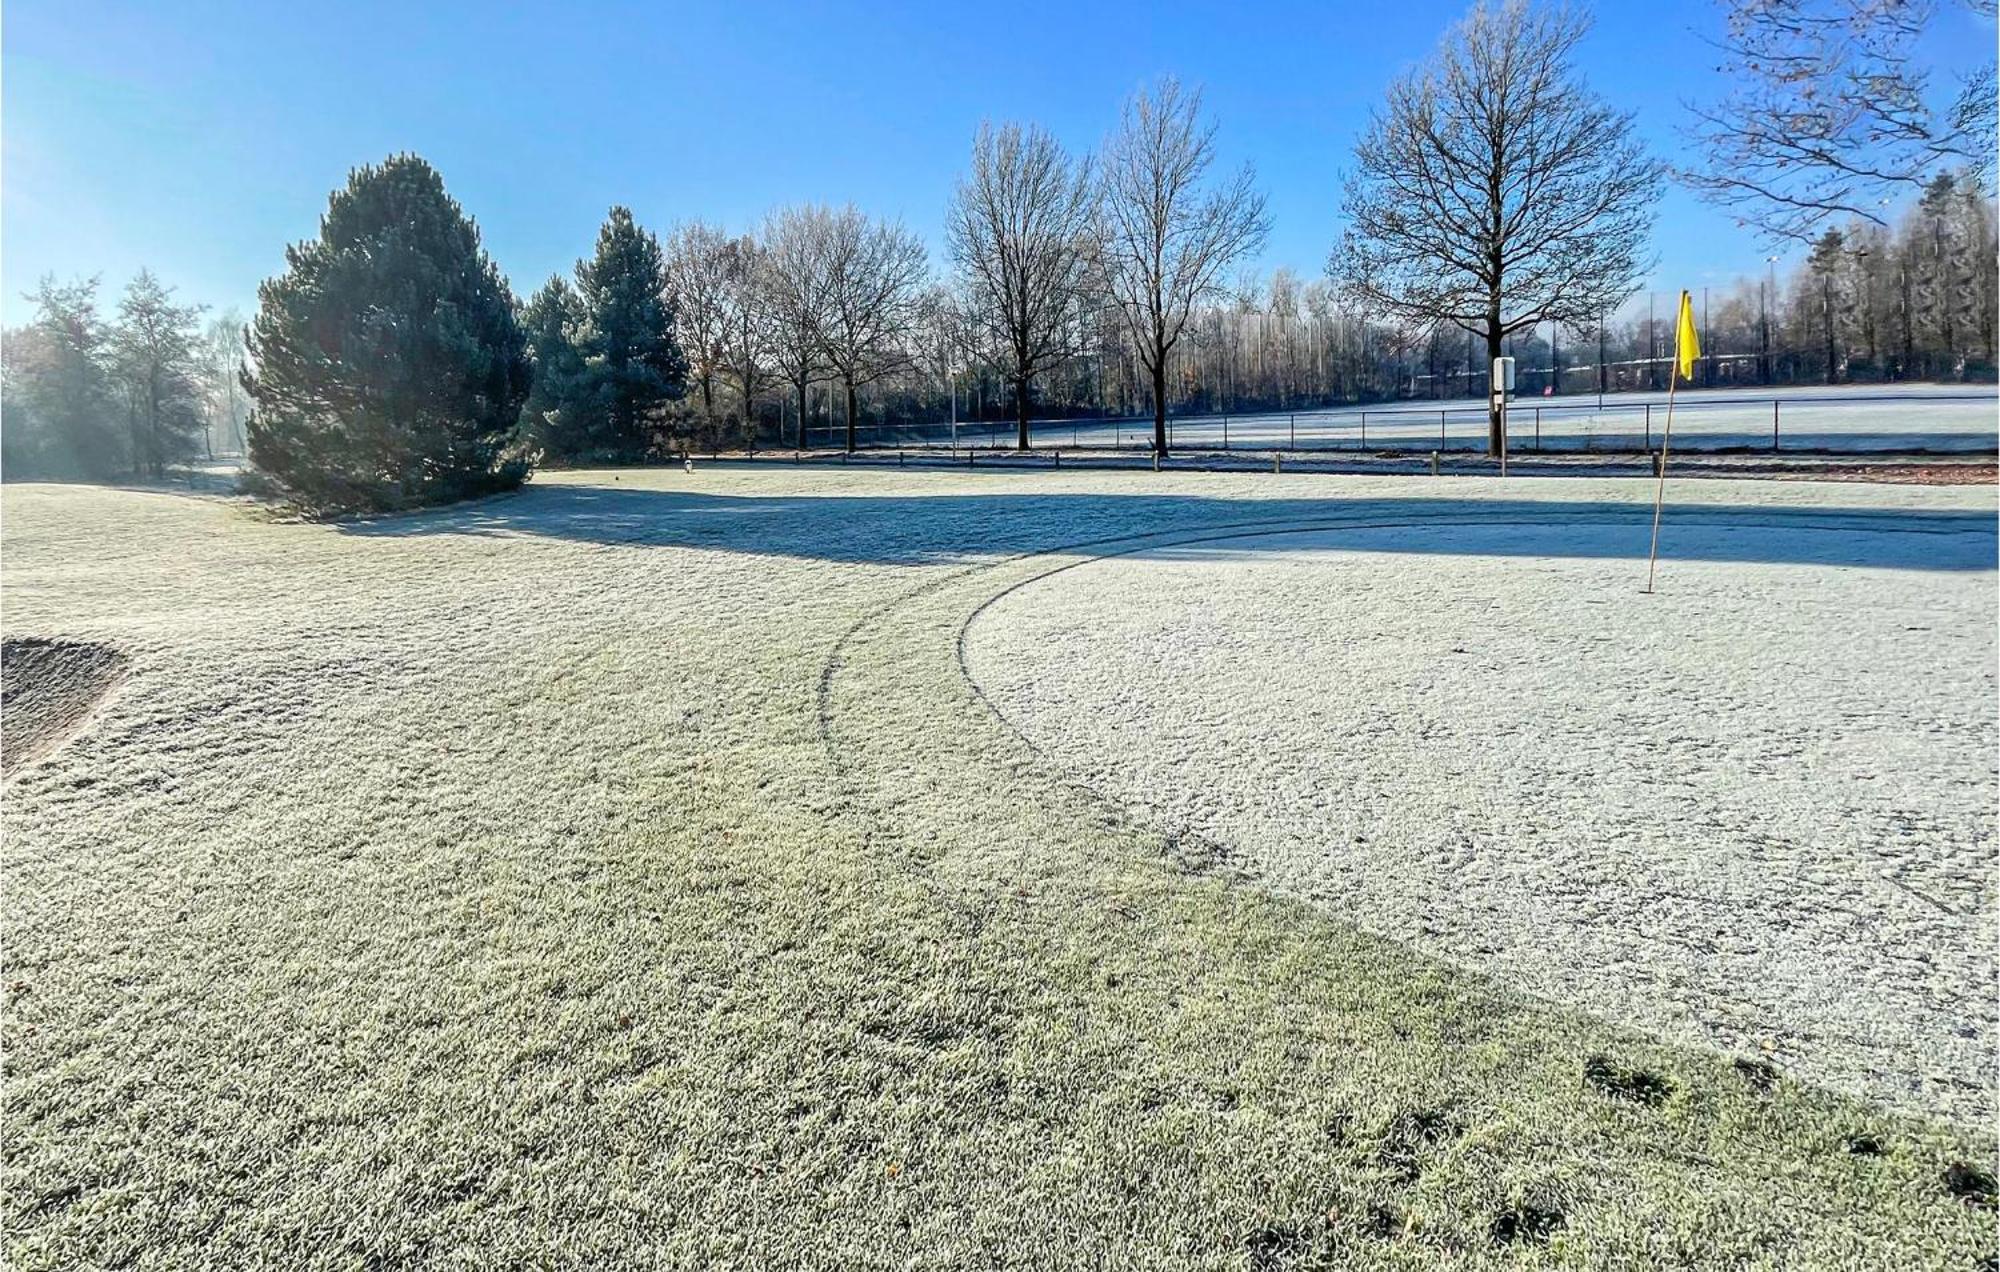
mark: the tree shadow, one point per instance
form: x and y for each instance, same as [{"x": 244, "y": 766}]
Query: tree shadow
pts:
[{"x": 914, "y": 528}]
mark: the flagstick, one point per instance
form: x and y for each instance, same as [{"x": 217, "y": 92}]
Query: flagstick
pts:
[{"x": 1666, "y": 440}]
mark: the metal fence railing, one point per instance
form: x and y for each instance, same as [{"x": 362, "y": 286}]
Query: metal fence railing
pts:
[{"x": 1712, "y": 420}]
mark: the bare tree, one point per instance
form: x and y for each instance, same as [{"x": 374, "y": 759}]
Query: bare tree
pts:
[
  {"x": 221, "y": 369},
  {"x": 1020, "y": 226},
  {"x": 1495, "y": 191},
  {"x": 870, "y": 277},
  {"x": 747, "y": 330},
  {"x": 1166, "y": 237},
  {"x": 790, "y": 284},
  {"x": 1829, "y": 114},
  {"x": 698, "y": 269},
  {"x": 942, "y": 343}
]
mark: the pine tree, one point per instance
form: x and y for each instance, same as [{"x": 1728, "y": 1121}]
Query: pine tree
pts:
[
  {"x": 556, "y": 415},
  {"x": 387, "y": 365},
  {"x": 1943, "y": 252},
  {"x": 1825, "y": 265},
  {"x": 59, "y": 410},
  {"x": 157, "y": 349},
  {"x": 633, "y": 366}
]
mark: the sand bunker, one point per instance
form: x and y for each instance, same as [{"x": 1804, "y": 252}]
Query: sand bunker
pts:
[{"x": 48, "y": 688}]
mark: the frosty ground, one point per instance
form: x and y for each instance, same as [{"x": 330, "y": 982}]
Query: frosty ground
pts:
[
  {"x": 1753, "y": 810},
  {"x": 780, "y": 866}
]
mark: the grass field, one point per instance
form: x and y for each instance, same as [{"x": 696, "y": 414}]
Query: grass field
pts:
[{"x": 629, "y": 872}]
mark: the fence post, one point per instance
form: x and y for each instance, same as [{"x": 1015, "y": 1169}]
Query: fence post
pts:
[
  {"x": 1225, "y": 432},
  {"x": 1277, "y": 463},
  {"x": 1441, "y": 441},
  {"x": 1538, "y": 430},
  {"x": 1434, "y": 463},
  {"x": 1774, "y": 426},
  {"x": 1649, "y": 424},
  {"x": 1295, "y": 432},
  {"x": 1364, "y": 430}
]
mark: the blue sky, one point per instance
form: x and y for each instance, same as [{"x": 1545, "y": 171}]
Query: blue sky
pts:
[{"x": 198, "y": 139}]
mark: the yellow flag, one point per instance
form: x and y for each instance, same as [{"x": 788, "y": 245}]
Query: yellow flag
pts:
[{"x": 1687, "y": 341}]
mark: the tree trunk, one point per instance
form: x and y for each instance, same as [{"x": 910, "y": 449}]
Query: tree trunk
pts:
[
  {"x": 802, "y": 414},
  {"x": 1494, "y": 428},
  {"x": 849, "y": 385},
  {"x": 1160, "y": 406},
  {"x": 158, "y": 455},
  {"x": 1021, "y": 411}
]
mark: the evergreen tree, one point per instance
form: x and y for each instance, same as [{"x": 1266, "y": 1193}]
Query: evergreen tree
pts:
[
  {"x": 556, "y": 414},
  {"x": 59, "y": 406},
  {"x": 1825, "y": 264},
  {"x": 387, "y": 365},
  {"x": 1944, "y": 254},
  {"x": 633, "y": 366},
  {"x": 157, "y": 350}
]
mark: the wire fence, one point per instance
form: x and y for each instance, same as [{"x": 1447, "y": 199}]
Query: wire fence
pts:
[{"x": 1711, "y": 420}]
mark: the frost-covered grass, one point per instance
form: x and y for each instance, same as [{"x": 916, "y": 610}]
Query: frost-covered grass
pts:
[
  {"x": 1755, "y": 810},
  {"x": 626, "y": 873}
]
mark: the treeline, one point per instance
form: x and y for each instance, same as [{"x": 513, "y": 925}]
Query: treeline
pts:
[
  {"x": 390, "y": 364},
  {"x": 105, "y": 396},
  {"x": 1870, "y": 304}
]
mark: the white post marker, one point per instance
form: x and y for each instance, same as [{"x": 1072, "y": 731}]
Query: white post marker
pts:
[{"x": 1503, "y": 384}]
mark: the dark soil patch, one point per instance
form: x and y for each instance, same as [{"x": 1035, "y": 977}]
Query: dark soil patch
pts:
[
  {"x": 1970, "y": 1184},
  {"x": 1527, "y": 1223},
  {"x": 1960, "y": 474},
  {"x": 1865, "y": 1144},
  {"x": 1409, "y": 1136},
  {"x": 1641, "y": 1086},
  {"x": 48, "y": 689},
  {"x": 1761, "y": 1075},
  {"x": 1272, "y": 1248}
]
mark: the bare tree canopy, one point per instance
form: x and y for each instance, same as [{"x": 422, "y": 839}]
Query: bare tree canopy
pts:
[
  {"x": 1495, "y": 191},
  {"x": 790, "y": 289},
  {"x": 747, "y": 328},
  {"x": 1166, "y": 236},
  {"x": 221, "y": 371},
  {"x": 869, "y": 277},
  {"x": 944, "y": 346},
  {"x": 699, "y": 265},
  {"x": 1019, "y": 226},
  {"x": 1831, "y": 115}
]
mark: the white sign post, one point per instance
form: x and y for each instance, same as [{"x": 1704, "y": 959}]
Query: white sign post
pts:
[{"x": 1503, "y": 384}]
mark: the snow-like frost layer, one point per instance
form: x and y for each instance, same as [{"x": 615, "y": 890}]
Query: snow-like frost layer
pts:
[{"x": 1756, "y": 809}]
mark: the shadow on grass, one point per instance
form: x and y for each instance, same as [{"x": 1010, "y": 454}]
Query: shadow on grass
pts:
[{"x": 905, "y": 528}]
